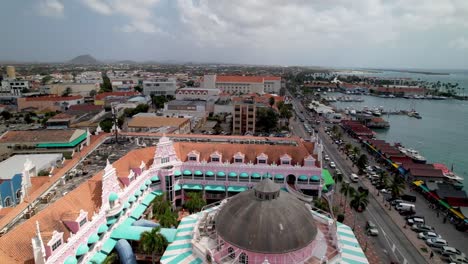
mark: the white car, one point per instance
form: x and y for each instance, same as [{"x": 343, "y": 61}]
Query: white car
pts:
[
  {"x": 332, "y": 165},
  {"x": 428, "y": 234},
  {"x": 436, "y": 242},
  {"x": 326, "y": 158},
  {"x": 384, "y": 191}
]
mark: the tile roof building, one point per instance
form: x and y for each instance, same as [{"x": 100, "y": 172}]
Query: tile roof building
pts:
[
  {"x": 104, "y": 209},
  {"x": 237, "y": 84},
  {"x": 149, "y": 123},
  {"x": 49, "y": 103}
]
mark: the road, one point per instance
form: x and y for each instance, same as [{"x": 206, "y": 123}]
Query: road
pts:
[{"x": 391, "y": 236}]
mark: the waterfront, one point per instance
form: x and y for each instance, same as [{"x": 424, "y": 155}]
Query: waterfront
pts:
[{"x": 440, "y": 135}]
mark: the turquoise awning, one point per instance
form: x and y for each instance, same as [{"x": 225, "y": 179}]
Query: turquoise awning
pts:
[
  {"x": 147, "y": 182},
  {"x": 255, "y": 175},
  {"x": 195, "y": 187},
  {"x": 132, "y": 199},
  {"x": 218, "y": 188},
  {"x": 209, "y": 174},
  {"x": 155, "y": 178},
  {"x": 93, "y": 239},
  {"x": 244, "y": 175},
  {"x": 143, "y": 187},
  {"x": 187, "y": 172},
  {"x": 136, "y": 214},
  {"x": 157, "y": 192},
  {"x": 198, "y": 173},
  {"x": 221, "y": 174},
  {"x": 102, "y": 228},
  {"x": 178, "y": 173},
  {"x": 267, "y": 176},
  {"x": 98, "y": 258},
  {"x": 237, "y": 188},
  {"x": 134, "y": 233},
  {"x": 177, "y": 187},
  {"x": 315, "y": 178},
  {"x": 138, "y": 193},
  {"x": 303, "y": 178},
  {"x": 126, "y": 205},
  {"x": 127, "y": 222},
  {"x": 111, "y": 221},
  {"x": 327, "y": 178},
  {"x": 82, "y": 249},
  {"x": 108, "y": 245},
  {"x": 279, "y": 177},
  {"x": 113, "y": 197},
  {"x": 148, "y": 199},
  {"x": 324, "y": 189},
  {"x": 70, "y": 260},
  {"x": 232, "y": 175}
]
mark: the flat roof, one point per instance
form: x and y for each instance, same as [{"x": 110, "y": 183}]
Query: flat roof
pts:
[
  {"x": 156, "y": 121},
  {"x": 184, "y": 102},
  {"x": 15, "y": 164},
  {"x": 41, "y": 136}
]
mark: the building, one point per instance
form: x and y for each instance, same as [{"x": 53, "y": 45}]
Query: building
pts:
[
  {"x": 83, "y": 89},
  {"x": 123, "y": 85},
  {"x": 107, "y": 97},
  {"x": 50, "y": 103},
  {"x": 192, "y": 93},
  {"x": 90, "y": 77},
  {"x": 157, "y": 87},
  {"x": 17, "y": 171},
  {"x": 244, "y": 117},
  {"x": 12, "y": 87},
  {"x": 43, "y": 141},
  {"x": 60, "y": 121},
  {"x": 150, "y": 122},
  {"x": 243, "y": 84},
  {"x": 11, "y": 72},
  {"x": 181, "y": 108}
]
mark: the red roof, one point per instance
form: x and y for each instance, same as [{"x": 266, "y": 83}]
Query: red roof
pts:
[
  {"x": 442, "y": 167},
  {"x": 426, "y": 173},
  {"x": 85, "y": 107},
  {"x": 54, "y": 98},
  {"x": 102, "y": 96},
  {"x": 244, "y": 79}
]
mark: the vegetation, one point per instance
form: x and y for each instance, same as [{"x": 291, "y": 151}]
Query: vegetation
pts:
[
  {"x": 163, "y": 213},
  {"x": 267, "y": 119},
  {"x": 383, "y": 178},
  {"x": 346, "y": 190},
  {"x": 271, "y": 101},
  {"x": 359, "y": 201},
  {"x": 195, "y": 202},
  {"x": 138, "y": 88},
  {"x": 67, "y": 155},
  {"x": 92, "y": 93},
  {"x": 43, "y": 173},
  {"x": 397, "y": 187},
  {"x": 106, "y": 85},
  {"x": 160, "y": 204},
  {"x": 141, "y": 108},
  {"x": 153, "y": 242},
  {"x": 113, "y": 258},
  {"x": 106, "y": 124},
  {"x": 159, "y": 101},
  {"x": 340, "y": 218},
  {"x": 168, "y": 219},
  {"x": 285, "y": 110},
  {"x": 46, "y": 79},
  {"x": 348, "y": 148},
  {"x": 362, "y": 163},
  {"x": 321, "y": 204},
  {"x": 190, "y": 83},
  {"x": 6, "y": 115}
]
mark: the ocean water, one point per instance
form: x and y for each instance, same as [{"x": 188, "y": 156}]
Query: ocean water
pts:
[{"x": 441, "y": 135}]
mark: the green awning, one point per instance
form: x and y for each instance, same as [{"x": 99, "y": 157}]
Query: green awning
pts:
[
  {"x": 143, "y": 187},
  {"x": 147, "y": 182},
  {"x": 82, "y": 249},
  {"x": 70, "y": 260},
  {"x": 111, "y": 221},
  {"x": 327, "y": 178},
  {"x": 279, "y": 177},
  {"x": 108, "y": 245},
  {"x": 232, "y": 175},
  {"x": 137, "y": 193},
  {"x": 218, "y": 188},
  {"x": 134, "y": 233},
  {"x": 209, "y": 174},
  {"x": 155, "y": 178},
  {"x": 113, "y": 197},
  {"x": 132, "y": 199},
  {"x": 177, "y": 173},
  {"x": 303, "y": 178},
  {"x": 198, "y": 173},
  {"x": 255, "y": 175},
  {"x": 177, "y": 187},
  {"x": 93, "y": 239},
  {"x": 245, "y": 175},
  {"x": 127, "y": 222},
  {"x": 237, "y": 188},
  {"x": 148, "y": 199},
  {"x": 195, "y": 187},
  {"x": 158, "y": 192},
  {"x": 267, "y": 176},
  {"x": 98, "y": 258},
  {"x": 136, "y": 214},
  {"x": 71, "y": 144},
  {"x": 126, "y": 205},
  {"x": 324, "y": 189},
  {"x": 221, "y": 174},
  {"x": 446, "y": 205},
  {"x": 424, "y": 188},
  {"x": 315, "y": 178},
  {"x": 187, "y": 173},
  {"x": 102, "y": 228}
]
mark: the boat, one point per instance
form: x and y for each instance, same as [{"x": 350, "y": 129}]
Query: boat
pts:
[
  {"x": 413, "y": 154},
  {"x": 376, "y": 112},
  {"x": 439, "y": 97},
  {"x": 414, "y": 114},
  {"x": 452, "y": 178}
]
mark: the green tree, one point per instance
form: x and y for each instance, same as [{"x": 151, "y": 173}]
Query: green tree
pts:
[
  {"x": 113, "y": 258},
  {"x": 160, "y": 205},
  {"x": 106, "y": 125},
  {"x": 397, "y": 187},
  {"x": 359, "y": 201},
  {"x": 158, "y": 101},
  {"x": 92, "y": 93},
  {"x": 168, "y": 219},
  {"x": 27, "y": 118},
  {"x": 138, "y": 88},
  {"x": 46, "y": 79},
  {"x": 6, "y": 115},
  {"x": 25, "y": 90},
  {"x": 195, "y": 202},
  {"x": 153, "y": 242},
  {"x": 190, "y": 83},
  {"x": 356, "y": 151},
  {"x": 106, "y": 85},
  {"x": 362, "y": 163},
  {"x": 67, "y": 91},
  {"x": 267, "y": 119},
  {"x": 271, "y": 101},
  {"x": 348, "y": 148},
  {"x": 346, "y": 190},
  {"x": 383, "y": 178}
]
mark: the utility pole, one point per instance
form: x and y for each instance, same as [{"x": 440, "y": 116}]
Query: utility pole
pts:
[{"x": 116, "y": 122}]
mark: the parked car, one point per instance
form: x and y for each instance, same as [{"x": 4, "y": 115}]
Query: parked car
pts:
[
  {"x": 326, "y": 158},
  {"x": 408, "y": 198},
  {"x": 428, "y": 234},
  {"x": 449, "y": 251},
  {"x": 371, "y": 229},
  {"x": 396, "y": 201},
  {"x": 407, "y": 213},
  {"x": 332, "y": 165},
  {"x": 414, "y": 216},
  {"x": 421, "y": 228},
  {"x": 436, "y": 242},
  {"x": 415, "y": 220},
  {"x": 458, "y": 259}
]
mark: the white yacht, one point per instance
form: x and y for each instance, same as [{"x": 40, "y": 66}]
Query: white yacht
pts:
[{"x": 413, "y": 154}]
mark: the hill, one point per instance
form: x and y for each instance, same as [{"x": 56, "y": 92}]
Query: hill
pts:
[{"x": 84, "y": 60}]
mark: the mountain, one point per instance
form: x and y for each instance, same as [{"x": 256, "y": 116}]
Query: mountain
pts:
[{"x": 84, "y": 60}]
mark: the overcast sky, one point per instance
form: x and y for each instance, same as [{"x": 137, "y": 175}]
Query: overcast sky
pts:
[{"x": 341, "y": 33}]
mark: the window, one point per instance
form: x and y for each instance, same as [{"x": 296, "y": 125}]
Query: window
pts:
[
  {"x": 261, "y": 161},
  {"x": 285, "y": 162},
  {"x": 165, "y": 160},
  {"x": 231, "y": 253},
  {"x": 7, "y": 201},
  {"x": 192, "y": 158},
  {"x": 238, "y": 160},
  {"x": 243, "y": 258},
  {"x": 18, "y": 194},
  {"x": 83, "y": 221},
  {"x": 56, "y": 244},
  {"x": 214, "y": 159}
]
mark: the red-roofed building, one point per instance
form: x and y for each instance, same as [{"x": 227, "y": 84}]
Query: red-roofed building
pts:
[
  {"x": 237, "y": 84},
  {"x": 49, "y": 103}
]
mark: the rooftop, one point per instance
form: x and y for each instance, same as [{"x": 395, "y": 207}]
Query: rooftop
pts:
[
  {"x": 54, "y": 98},
  {"x": 156, "y": 121},
  {"x": 15, "y": 164},
  {"x": 41, "y": 136},
  {"x": 102, "y": 96},
  {"x": 245, "y": 79}
]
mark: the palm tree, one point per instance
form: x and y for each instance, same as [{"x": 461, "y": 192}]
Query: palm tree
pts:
[
  {"x": 359, "y": 203},
  {"x": 346, "y": 190},
  {"x": 153, "y": 242},
  {"x": 397, "y": 187},
  {"x": 383, "y": 179},
  {"x": 168, "y": 219},
  {"x": 356, "y": 151},
  {"x": 362, "y": 163},
  {"x": 160, "y": 204},
  {"x": 195, "y": 201},
  {"x": 348, "y": 147}
]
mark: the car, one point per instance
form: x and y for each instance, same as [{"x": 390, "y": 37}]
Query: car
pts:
[
  {"x": 395, "y": 202},
  {"x": 407, "y": 213},
  {"x": 436, "y": 242},
  {"x": 338, "y": 172},
  {"x": 428, "y": 234},
  {"x": 332, "y": 165},
  {"x": 414, "y": 216},
  {"x": 384, "y": 191},
  {"x": 326, "y": 158},
  {"x": 446, "y": 252},
  {"x": 421, "y": 228},
  {"x": 371, "y": 229},
  {"x": 458, "y": 259},
  {"x": 415, "y": 220}
]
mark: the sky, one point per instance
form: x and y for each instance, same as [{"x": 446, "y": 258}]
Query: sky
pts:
[{"x": 331, "y": 33}]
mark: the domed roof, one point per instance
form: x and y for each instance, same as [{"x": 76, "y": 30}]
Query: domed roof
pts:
[{"x": 266, "y": 220}]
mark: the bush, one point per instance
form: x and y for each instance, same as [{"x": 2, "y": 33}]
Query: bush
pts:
[
  {"x": 67, "y": 155},
  {"x": 43, "y": 173},
  {"x": 340, "y": 218}
]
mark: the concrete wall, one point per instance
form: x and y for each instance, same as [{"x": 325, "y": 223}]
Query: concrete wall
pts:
[{"x": 77, "y": 88}]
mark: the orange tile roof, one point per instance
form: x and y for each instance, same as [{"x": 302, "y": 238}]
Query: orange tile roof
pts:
[
  {"x": 102, "y": 96},
  {"x": 54, "y": 98},
  {"x": 133, "y": 160},
  {"x": 37, "y": 182},
  {"x": 272, "y": 78},
  {"x": 156, "y": 121}
]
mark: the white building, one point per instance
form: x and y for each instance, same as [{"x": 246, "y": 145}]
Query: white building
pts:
[
  {"x": 13, "y": 87},
  {"x": 160, "y": 87},
  {"x": 92, "y": 77},
  {"x": 193, "y": 93},
  {"x": 243, "y": 84}
]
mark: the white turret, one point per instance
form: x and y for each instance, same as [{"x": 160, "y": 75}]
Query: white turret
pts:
[{"x": 38, "y": 247}]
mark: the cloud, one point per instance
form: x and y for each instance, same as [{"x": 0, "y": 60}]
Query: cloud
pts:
[
  {"x": 139, "y": 12},
  {"x": 459, "y": 43},
  {"x": 50, "y": 8}
]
